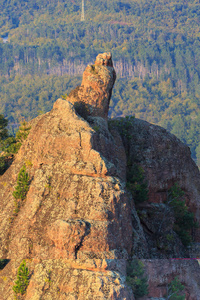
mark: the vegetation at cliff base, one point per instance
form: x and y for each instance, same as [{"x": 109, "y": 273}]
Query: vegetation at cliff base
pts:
[
  {"x": 136, "y": 278},
  {"x": 184, "y": 220},
  {"x": 22, "y": 281}
]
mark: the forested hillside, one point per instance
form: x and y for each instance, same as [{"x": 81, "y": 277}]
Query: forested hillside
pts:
[{"x": 156, "y": 52}]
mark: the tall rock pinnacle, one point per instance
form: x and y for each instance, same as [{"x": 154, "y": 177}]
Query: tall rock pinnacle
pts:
[{"x": 92, "y": 98}]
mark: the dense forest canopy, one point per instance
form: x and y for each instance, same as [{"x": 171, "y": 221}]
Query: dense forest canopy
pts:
[{"x": 156, "y": 52}]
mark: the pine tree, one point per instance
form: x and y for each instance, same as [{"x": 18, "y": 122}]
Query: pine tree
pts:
[
  {"x": 23, "y": 131},
  {"x": 22, "y": 281},
  {"x": 136, "y": 278},
  {"x": 22, "y": 184},
  {"x": 175, "y": 290}
]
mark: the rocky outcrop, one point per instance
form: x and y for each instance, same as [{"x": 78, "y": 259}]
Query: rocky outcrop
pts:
[
  {"x": 165, "y": 161},
  {"x": 79, "y": 221},
  {"x": 92, "y": 98},
  {"x": 77, "y": 207},
  {"x": 75, "y": 191}
]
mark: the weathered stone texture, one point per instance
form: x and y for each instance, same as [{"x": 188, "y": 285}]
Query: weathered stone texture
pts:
[
  {"x": 165, "y": 161},
  {"x": 162, "y": 271},
  {"x": 74, "y": 189},
  {"x": 77, "y": 207},
  {"x": 93, "y": 96},
  {"x": 69, "y": 279}
]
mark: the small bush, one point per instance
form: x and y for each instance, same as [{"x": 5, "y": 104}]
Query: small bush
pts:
[
  {"x": 93, "y": 70},
  {"x": 22, "y": 281},
  {"x": 136, "y": 278},
  {"x": 96, "y": 128}
]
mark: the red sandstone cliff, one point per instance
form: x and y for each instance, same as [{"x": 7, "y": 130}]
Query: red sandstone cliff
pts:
[
  {"x": 165, "y": 161},
  {"x": 78, "y": 220}
]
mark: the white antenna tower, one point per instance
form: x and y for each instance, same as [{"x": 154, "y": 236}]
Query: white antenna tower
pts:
[{"x": 83, "y": 11}]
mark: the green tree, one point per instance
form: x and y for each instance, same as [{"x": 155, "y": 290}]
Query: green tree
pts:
[
  {"x": 184, "y": 220},
  {"x": 175, "y": 290},
  {"x": 22, "y": 186},
  {"x": 22, "y": 281},
  {"x": 136, "y": 278},
  {"x": 23, "y": 132},
  {"x": 11, "y": 146}
]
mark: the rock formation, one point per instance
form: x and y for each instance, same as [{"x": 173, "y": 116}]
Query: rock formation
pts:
[
  {"x": 165, "y": 161},
  {"x": 92, "y": 98},
  {"x": 78, "y": 221}
]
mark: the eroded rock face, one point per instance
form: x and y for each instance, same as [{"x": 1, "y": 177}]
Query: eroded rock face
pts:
[
  {"x": 162, "y": 271},
  {"x": 77, "y": 208},
  {"x": 69, "y": 279},
  {"x": 158, "y": 222},
  {"x": 92, "y": 98},
  {"x": 165, "y": 161},
  {"x": 68, "y": 235},
  {"x": 75, "y": 189}
]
